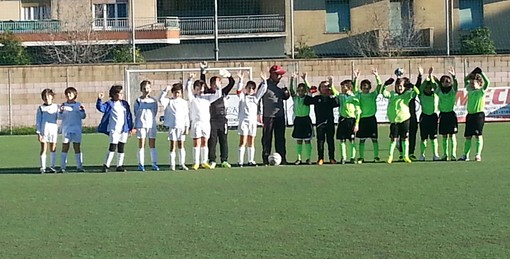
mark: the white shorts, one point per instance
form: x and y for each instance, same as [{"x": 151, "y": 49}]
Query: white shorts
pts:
[
  {"x": 176, "y": 134},
  {"x": 68, "y": 137},
  {"x": 116, "y": 137},
  {"x": 50, "y": 136},
  {"x": 143, "y": 133},
  {"x": 200, "y": 130},
  {"x": 247, "y": 128}
]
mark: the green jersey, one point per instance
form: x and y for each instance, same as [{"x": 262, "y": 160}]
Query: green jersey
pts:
[
  {"x": 300, "y": 108},
  {"x": 429, "y": 103},
  {"x": 476, "y": 97},
  {"x": 398, "y": 104},
  {"x": 368, "y": 102},
  {"x": 349, "y": 106},
  {"x": 447, "y": 100}
]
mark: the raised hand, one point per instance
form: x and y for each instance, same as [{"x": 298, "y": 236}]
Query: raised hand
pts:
[
  {"x": 304, "y": 76},
  {"x": 100, "y": 95},
  {"x": 374, "y": 71},
  {"x": 240, "y": 74},
  {"x": 263, "y": 76},
  {"x": 355, "y": 73},
  {"x": 168, "y": 88},
  {"x": 420, "y": 70},
  {"x": 330, "y": 80},
  {"x": 451, "y": 71},
  {"x": 203, "y": 65},
  {"x": 191, "y": 76},
  {"x": 293, "y": 75},
  {"x": 431, "y": 70}
]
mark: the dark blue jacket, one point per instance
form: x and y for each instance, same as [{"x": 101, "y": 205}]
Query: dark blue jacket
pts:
[{"x": 106, "y": 108}]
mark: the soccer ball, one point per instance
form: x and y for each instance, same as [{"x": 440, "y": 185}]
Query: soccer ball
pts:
[
  {"x": 274, "y": 159},
  {"x": 399, "y": 72}
]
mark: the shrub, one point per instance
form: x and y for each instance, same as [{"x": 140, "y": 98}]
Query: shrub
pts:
[
  {"x": 124, "y": 55},
  {"x": 11, "y": 50},
  {"x": 478, "y": 41}
]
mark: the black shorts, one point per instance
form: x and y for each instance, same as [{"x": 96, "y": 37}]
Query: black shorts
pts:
[
  {"x": 474, "y": 124},
  {"x": 345, "y": 128},
  {"x": 400, "y": 129},
  {"x": 367, "y": 128},
  {"x": 302, "y": 128},
  {"x": 428, "y": 126},
  {"x": 448, "y": 123}
]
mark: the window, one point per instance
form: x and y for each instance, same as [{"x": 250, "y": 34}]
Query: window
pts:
[
  {"x": 111, "y": 15},
  {"x": 471, "y": 14},
  {"x": 401, "y": 17},
  {"x": 36, "y": 13},
  {"x": 338, "y": 16}
]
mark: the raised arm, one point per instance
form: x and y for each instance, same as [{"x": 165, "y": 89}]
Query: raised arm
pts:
[
  {"x": 451, "y": 71},
  {"x": 203, "y": 68},
  {"x": 100, "y": 105},
  {"x": 304, "y": 76},
  {"x": 377, "y": 80},
  {"x": 420, "y": 77},
  {"x": 263, "y": 87},
  {"x": 355, "y": 80},
  {"x": 486, "y": 81},
  {"x": 162, "y": 97},
  {"x": 240, "y": 76},
  {"x": 231, "y": 82},
  {"x": 189, "y": 86},
  {"x": 385, "y": 93},
  {"x": 333, "y": 89}
]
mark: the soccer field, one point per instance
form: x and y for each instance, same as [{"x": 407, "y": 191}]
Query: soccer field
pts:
[{"x": 418, "y": 210}]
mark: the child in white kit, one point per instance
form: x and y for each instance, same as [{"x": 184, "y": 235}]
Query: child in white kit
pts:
[
  {"x": 247, "y": 116},
  {"x": 146, "y": 109},
  {"x": 71, "y": 113},
  {"x": 200, "y": 119},
  {"x": 47, "y": 129},
  {"x": 177, "y": 121}
]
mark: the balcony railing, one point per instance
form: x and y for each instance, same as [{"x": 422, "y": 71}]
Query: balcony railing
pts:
[
  {"x": 232, "y": 24},
  {"x": 30, "y": 26},
  {"x": 123, "y": 24}
]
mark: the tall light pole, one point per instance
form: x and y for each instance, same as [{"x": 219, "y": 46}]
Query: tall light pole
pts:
[
  {"x": 447, "y": 20},
  {"x": 133, "y": 44},
  {"x": 216, "y": 45},
  {"x": 292, "y": 43}
]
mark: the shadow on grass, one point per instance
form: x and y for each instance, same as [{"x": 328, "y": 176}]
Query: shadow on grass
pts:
[{"x": 35, "y": 170}]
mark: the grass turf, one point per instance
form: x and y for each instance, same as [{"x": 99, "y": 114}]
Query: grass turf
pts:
[{"x": 427, "y": 209}]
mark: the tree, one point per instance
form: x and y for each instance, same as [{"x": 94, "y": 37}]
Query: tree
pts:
[
  {"x": 304, "y": 51},
  {"x": 478, "y": 41},
  {"x": 124, "y": 54},
  {"x": 12, "y": 51}
]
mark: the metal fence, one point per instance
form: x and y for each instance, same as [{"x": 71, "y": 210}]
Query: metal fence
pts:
[{"x": 232, "y": 24}]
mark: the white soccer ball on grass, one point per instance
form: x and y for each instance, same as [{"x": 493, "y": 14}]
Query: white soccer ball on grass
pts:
[{"x": 274, "y": 159}]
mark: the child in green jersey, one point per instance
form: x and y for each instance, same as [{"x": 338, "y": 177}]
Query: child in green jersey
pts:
[
  {"x": 476, "y": 85},
  {"x": 398, "y": 114},
  {"x": 303, "y": 131},
  {"x": 348, "y": 121},
  {"x": 368, "y": 121},
  {"x": 448, "y": 125},
  {"x": 429, "y": 102}
]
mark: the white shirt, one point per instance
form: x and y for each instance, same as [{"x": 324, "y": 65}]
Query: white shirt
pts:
[
  {"x": 176, "y": 111},
  {"x": 117, "y": 117},
  {"x": 46, "y": 118},
  {"x": 72, "y": 117},
  {"x": 199, "y": 104},
  {"x": 145, "y": 111},
  {"x": 248, "y": 104}
]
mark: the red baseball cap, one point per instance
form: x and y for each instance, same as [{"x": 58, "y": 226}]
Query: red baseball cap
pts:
[{"x": 277, "y": 69}]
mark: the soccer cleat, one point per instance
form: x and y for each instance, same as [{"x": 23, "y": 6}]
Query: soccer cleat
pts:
[
  {"x": 377, "y": 160},
  {"x": 320, "y": 162},
  {"x": 390, "y": 160},
  {"x": 80, "y": 170},
  {"x": 464, "y": 158},
  {"x": 407, "y": 160},
  {"x": 298, "y": 162},
  {"x": 308, "y": 162},
  {"x": 478, "y": 158},
  {"x": 422, "y": 158},
  {"x": 252, "y": 164},
  {"x": 360, "y": 160},
  {"x": 184, "y": 168},
  {"x": 453, "y": 158},
  {"x": 444, "y": 158},
  {"x": 400, "y": 158},
  {"x": 212, "y": 165},
  {"x": 332, "y": 161},
  {"x": 121, "y": 169},
  {"x": 412, "y": 157},
  {"x": 172, "y": 168},
  {"x": 105, "y": 169},
  {"x": 352, "y": 161},
  {"x": 239, "y": 165},
  {"x": 206, "y": 166},
  {"x": 141, "y": 168},
  {"x": 155, "y": 167},
  {"x": 436, "y": 158},
  {"x": 42, "y": 170},
  {"x": 225, "y": 164},
  {"x": 62, "y": 171},
  {"x": 342, "y": 161},
  {"x": 195, "y": 166},
  {"x": 51, "y": 170}
]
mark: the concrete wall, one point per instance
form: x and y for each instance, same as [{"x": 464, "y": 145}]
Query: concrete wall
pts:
[
  {"x": 11, "y": 10},
  {"x": 21, "y": 86}
]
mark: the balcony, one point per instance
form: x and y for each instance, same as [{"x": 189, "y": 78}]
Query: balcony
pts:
[
  {"x": 30, "y": 26},
  {"x": 142, "y": 24}
]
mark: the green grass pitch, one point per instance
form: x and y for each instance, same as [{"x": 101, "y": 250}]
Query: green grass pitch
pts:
[{"x": 418, "y": 210}]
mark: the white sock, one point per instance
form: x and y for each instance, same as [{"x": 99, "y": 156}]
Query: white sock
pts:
[
  {"x": 53, "y": 159},
  {"x": 120, "y": 161},
  {"x": 141, "y": 156},
  {"x": 196, "y": 155},
  {"x": 251, "y": 154},
  {"x": 42, "y": 160},
  {"x": 182, "y": 156},
  {"x": 63, "y": 160},
  {"x": 109, "y": 158},
  {"x": 172, "y": 158},
  {"x": 241, "y": 154},
  {"x": 154, "y": 155},
  {"x": 79, "y": 160},
  {"x": 204, "y": 152}
]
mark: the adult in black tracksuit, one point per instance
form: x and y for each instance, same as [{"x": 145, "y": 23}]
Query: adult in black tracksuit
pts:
[
  {"x": 218, "y": 119},
  {"x": 324, "y": 120},
  {"x": 413, "y": 121},
  {"x": 273, "y": 115}
]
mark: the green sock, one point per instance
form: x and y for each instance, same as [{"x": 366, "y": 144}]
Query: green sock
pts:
[
  {"x": 445, "y": 146},
  {"x": 423, "y": 147},
  {"x": 308, "y": 150},
  {"x": 353, "y": 150},
  {"x": 343, "y": 150},
  {"x": 376, "y": 148},
  {"x": 393, "y": 144},
  {"x": 299, "y": 148},
  {"x": 405, "y": 148},
  {"x": 362, "y": 149},
  {"x": 467, "y": 147},
  {"x": 453, "y": 146},
  {"x": 434, "y": 147},
  {"x": 479, "y": 145}
]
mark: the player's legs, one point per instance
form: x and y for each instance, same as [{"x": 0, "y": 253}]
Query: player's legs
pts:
[
  {"x": 211, "y": 143},
  {"x": 299, "y": 150},
  {"x": 42, "y": 156},
  {"x": 393, "y": 141},
  {"x": 78, "y": 155},
  {"x": 267, "y": 138},
  {"x": 242, "y": 149},
  {"x": 321, "y": 138},
  {"x": 330, "y": 139},
  {"x": 63, "y": 154},
  {"x": 413, "y": 130},
  {"x": 204, "y": 152},
  {"x": 197, "y": 142},
  {"x": 361, "y": 150},
  {"x": 141, "y": 149},
  {"x": 279, "y": 138},
  {"x": 182, "y": 153},
  {"x": 250, "y": 142},
  {"x": 223, "y": 139}
]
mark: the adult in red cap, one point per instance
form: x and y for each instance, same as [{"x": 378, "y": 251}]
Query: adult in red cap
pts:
[{"x": 273, "y": 115}]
